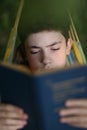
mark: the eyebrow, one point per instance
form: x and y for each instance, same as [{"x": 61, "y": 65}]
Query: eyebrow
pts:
[
  {"x": 37, "y": 47},
  {"x": 34, "y": 47},
  {"x": 53, "y": 44}
]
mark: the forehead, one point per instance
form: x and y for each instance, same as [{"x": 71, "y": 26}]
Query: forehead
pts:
[{"x": 44, "y": 38}]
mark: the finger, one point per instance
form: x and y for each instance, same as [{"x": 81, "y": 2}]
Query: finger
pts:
[
  {"x": 11, "y": 127},
  {"x": 75, "y": 119},
  {"x": 17, "y": 115},
  {"x": 12, "y": 122},
  {"x": 9, "y": 107},
  {"x": 73, "y": 111},
  {"x": 77, "y": 102},
  {"x": 79, "y": 125}
]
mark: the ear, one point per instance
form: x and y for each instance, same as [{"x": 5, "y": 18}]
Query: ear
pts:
[{"x": 69, "y": 45}]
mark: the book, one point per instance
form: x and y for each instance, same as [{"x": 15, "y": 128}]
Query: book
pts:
[{"x": 42, "y": 95}]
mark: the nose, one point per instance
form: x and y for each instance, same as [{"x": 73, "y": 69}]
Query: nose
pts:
[{"x": 46, "y": 58}]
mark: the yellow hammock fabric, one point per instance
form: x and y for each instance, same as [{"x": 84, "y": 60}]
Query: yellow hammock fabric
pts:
[
  {"x": 77, "y": 50},
  {"x": 77, "y": 53},
  {"x": 12, "y": 38}
]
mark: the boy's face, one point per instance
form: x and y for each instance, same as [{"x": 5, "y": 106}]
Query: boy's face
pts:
[{"x": 46, "y": 50}]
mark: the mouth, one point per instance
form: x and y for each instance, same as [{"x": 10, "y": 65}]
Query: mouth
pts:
[{"x": 45, "y": 68}]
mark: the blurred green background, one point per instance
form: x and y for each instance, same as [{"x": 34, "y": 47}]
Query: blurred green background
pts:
[{"x": 8, "y": 11}]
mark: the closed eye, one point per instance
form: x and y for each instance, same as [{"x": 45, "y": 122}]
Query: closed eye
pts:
[
  {"x": 55, "y": 46},
  {"x": 34, "y": 52},
  {"x": 54, "y": 49}
]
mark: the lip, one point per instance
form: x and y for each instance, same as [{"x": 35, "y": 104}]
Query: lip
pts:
[{"x": 47, "y": 67}]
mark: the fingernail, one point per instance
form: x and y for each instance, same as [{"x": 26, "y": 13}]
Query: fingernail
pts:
[
  {"x": 20, "y": 110},
  {"x": 61, "y": 113},
  {"x": 25, "y": 123},
  {"x": 62, "y": 120},
  {"x": 67, "y": 103},
  {"x": 25, "y": 116}
]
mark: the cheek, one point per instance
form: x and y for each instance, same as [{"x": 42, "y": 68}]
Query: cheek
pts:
[
  {"x": 59, "y": 54},
  {"x": 33, "y": 60},
  {"x": 60, "y": 57}
]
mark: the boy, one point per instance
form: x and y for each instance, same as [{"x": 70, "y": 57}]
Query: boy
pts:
[{"x": 45, "y": 49}]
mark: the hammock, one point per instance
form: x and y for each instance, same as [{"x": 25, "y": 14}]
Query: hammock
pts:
[
  {"x": 76, "y": 55},
  {"x": 13, "y": 35}
]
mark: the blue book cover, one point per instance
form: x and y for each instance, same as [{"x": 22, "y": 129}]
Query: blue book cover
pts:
[{"x": 43, "y": 95}]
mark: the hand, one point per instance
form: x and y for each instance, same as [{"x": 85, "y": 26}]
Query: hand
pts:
[
  {"x": 12, "y": 117},
  {"x": 75, "y": 113}
]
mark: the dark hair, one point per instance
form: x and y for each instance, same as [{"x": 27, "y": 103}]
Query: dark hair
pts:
[
  {"x": 42, "y": 15},
  {"x": 39, "y": 27}
]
